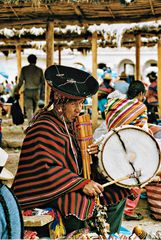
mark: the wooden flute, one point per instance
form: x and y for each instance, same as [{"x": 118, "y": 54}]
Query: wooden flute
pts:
[{"x": 85, "y": 136}]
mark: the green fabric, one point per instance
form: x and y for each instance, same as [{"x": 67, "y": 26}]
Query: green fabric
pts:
[
  {"x": 115, "y": 214},
  {"x": 72, "y": 223}
]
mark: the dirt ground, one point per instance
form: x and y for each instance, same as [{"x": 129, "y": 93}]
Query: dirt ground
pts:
[{"x": 12, "y": 141}]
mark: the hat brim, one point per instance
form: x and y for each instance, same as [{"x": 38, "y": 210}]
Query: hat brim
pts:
[
  {"x": 71, "y": 82},
  {"x": 6, "y": 175}
]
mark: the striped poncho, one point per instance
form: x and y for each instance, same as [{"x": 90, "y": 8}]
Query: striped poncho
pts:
[
  {"x": 125, "y": 111},
  {"x": 48, "y": 172}
]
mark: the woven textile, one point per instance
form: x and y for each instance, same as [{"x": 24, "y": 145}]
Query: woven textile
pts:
[
  {"x": 154, "y": 199},
  {"x": 125, "y": 111}
]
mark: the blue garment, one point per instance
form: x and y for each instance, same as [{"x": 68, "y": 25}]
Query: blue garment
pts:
[
  {"x": 123, "y": 231},
  {"x": 101, "y": 104},
  {"x": 14, "y": 217}
]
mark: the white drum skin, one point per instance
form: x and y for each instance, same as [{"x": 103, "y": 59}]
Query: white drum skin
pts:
[{"x": 126, "y": 150}]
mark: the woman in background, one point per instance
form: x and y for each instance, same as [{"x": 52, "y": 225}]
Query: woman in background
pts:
[{"x": 129, "y": 111}]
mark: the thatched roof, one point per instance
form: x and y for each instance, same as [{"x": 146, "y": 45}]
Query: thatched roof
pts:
[
  {"x": 69, "y": 37},
  {"x": 26, "y": 13},
  {"x": 113, "y": 35},
  {"x": 76, "y": 20}
]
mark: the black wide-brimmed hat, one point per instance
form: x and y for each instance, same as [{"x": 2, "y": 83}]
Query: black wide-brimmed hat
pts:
[
  {"x": 71, "y": 82},
  {"x": 152, "y": 75}
]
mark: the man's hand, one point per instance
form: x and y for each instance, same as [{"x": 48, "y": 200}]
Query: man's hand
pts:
[
  {"x": 93, "y": 189},
  {"x": 93, "y": 148}
]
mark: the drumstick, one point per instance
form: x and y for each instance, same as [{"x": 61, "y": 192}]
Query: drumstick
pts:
[
  {"x": 136, "y": 174},
  {"x": 115, "y": 181}
]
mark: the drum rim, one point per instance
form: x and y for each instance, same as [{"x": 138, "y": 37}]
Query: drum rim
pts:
[{"x": 121, "y": 128}]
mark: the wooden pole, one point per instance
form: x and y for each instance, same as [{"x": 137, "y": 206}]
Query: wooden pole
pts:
[
  {"x": 49, "y": 54},
  {"x": 159, "y": 76},
  {"x": 94, "y": 73},
  {"x": 19, "y": 66},
  {"x": 137, "y": 55},
  {"x": 18, "y": 55},
  {"x": 59, "y": 55}
]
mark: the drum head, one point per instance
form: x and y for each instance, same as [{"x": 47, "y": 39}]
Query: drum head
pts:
[{"x": 127, "y": 150}]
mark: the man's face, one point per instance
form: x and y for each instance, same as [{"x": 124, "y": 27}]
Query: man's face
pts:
[{"x": 73, "y": 109}]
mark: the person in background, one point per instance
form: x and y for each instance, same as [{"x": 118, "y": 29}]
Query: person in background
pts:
[
  {"x": 11, "y": 222},
  {"x": 152, "y": 93},
  {"x": 50, "y": 171},
  {"x": 104, "y": 89},
  {"x": 129, "y": 111},
  {"x": 14, "y": 86},
  {"x": 102, "y": 66},
  {"x": 153, "y": 129},
  {"x": 33, "y": 79},
  {"x": 152, "y": 98},
  {"x": 8, "y": 87},
  {"x": 121, "y": 84}
]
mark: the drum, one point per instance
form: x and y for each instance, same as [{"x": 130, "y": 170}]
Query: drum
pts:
[{"x": 124, "y": 152}]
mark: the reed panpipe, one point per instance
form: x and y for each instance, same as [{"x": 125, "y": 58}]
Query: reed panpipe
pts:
[{"x": 84, "y": 127}]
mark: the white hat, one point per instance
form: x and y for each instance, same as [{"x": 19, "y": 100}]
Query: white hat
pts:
[
  {"x": 116, "y": 94},
  {"x": 4, "y": 173}
]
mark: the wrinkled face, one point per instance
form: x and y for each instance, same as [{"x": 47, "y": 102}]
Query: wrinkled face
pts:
[{"x": 73, "y": 109}]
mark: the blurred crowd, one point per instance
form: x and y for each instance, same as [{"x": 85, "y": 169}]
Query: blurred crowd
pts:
[
  {"x": 110, "y": 82},
  {"x": 7, "y": 89}
]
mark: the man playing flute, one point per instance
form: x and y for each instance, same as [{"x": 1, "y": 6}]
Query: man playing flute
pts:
[{"x": 50, "y": 170}]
